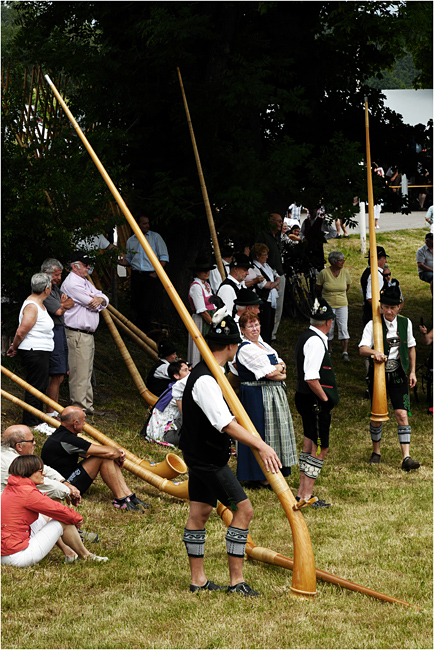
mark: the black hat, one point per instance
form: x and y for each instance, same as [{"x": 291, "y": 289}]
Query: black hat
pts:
[
  {"x": 240, "y": 260},
  {"x": 247, "y": 297},
  {"x": 81, "y": 256},
  {"x": 202, "y": 263},
  {"x": 321, "y": 310},
  {"x": 428, "y": 235},
  {"x": 226, "y": 251},
  {"x": 391, "y": 296},
  {"x": 380, "y": 253},
  {"x": 223, "y": 328},
  {"x": 165, "y": 348}
]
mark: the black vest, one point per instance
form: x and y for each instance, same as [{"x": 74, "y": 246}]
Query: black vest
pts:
[
  {"x": 327, "y": 377},
  {"x": 157, "y": 385},
  {"x": 200, "y": 442},
  {"x": 237, "y": 290}
]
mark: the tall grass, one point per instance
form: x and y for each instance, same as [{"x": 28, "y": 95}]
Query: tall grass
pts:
[{"x": 378, "y": 532}]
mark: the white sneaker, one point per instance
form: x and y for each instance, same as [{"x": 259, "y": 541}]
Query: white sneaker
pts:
[
  {"x": 45, "y": 428},
  {"x": 96, "y": 558},
  {"x": 70, "y": 560}
]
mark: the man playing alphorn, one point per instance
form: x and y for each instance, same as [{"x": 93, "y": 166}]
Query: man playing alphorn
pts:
[
  {"x": 400, "y": 357},
  {"x": 207, "y": 428}
]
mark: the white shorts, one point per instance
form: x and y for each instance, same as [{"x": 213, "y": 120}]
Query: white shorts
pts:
[
  {"x": 341, "y": 320},
  {"x": 43, "y": 537}
]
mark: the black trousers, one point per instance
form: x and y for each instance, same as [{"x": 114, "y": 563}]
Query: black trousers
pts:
[
  {"x": 36, "y": 365},
  {"x": 146, "y": 297},
  {"x": 316, "y": 420}
]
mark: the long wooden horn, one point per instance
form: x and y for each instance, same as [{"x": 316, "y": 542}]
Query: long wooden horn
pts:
[
  {"x": 304, "y": 578},
  {"x": 268, "y": 556},
  {"x": 138, "y": 332},
  {"x": 209, "y": 216},
  {"x": 379, "y": 396},
  {"x": 179, "y": 490},
  {"x": 136, "y": 339},
  {"x": 163, "y": 469}
]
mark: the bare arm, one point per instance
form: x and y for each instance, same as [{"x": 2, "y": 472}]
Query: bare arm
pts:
[
  {"x": 30, "y": 316},
  {"x": 267, "y": 454},
  {"x": 366, "y": 351},
  {"x": 316, "y": 388},
  {"x": 66, "y": 303},
  {"x": 109, "y": 453},
  {"x": 412, "y": 379}
]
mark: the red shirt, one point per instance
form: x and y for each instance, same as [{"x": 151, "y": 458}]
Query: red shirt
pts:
[{"x": 21, "y": 503}]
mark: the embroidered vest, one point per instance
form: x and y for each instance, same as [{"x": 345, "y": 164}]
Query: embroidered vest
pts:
[
  {"x": 402, "y": 347},
  {"x": 327, "y": 377}
]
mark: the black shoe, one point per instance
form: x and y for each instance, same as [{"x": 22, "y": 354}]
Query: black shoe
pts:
[
  {"x": 208, "y": 586},
  {"x": 126, "y": 504},
  {"x": 408, "y": 464},
  {"x": 320, "y": 504},
  {"x": 375, "y": 459},
  {"x": 242, "y": 588},
  {"x": 138, "y": 502}
]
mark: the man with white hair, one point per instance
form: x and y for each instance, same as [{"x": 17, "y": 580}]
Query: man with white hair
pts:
[
  {"x": 57, "y": 304},
  {"x": 81, "y": 321}
]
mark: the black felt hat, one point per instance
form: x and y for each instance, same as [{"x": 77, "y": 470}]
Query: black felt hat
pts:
[
  {"x": 248, "y": 297},
  {"x": 202, "y": 263},
  {"x": 391, "y": 296},
  {"x": 321, "y": 310},
  {"x": 241, "y": 261},
  {"x": 165, "y": 348},
  {"x": 380, "y": 253},
  {"x": 81, "y": 256},
  {"x": 223, "y": 328}
]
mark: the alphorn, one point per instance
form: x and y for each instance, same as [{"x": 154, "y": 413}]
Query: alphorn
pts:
[
  {"x": 173, "y": 466},
  {"x": 260, "y": 554},
  {"x": 136, "y": 339},
  {"x": 379, "y": 394},
  {"x": 179, "y": 490},
  {"x": 304, "y": 578},
  {"x": 149, "y": 397},
  {"x": 149, "y": 342},
  {"x": 209, "y": 216}
]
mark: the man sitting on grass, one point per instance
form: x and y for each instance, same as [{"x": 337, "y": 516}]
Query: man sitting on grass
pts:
[{"x": 62, "y": 449}]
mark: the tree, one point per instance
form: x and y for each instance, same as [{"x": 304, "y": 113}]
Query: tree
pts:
[{"x": 274, "y": 90}]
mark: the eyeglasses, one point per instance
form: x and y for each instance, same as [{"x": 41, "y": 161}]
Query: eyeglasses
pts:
[
  {"x": 21, "y": 442},
  {"x": 40, "y": 470}
]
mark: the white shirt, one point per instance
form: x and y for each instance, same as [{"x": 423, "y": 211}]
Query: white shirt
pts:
[
  {"x": 369, "y": 285},
  {"x": 313, "y": 351},
  {"x": 392, "y": 332},
  {"x": 256, "y": 360},
  {"x": 208, "y": 396},
  {"x": 161, "y": 372},
  {"x": 197, "y": 289},
  {"x": 40, "y": 337},
  {"x": 228, "y": 295}
]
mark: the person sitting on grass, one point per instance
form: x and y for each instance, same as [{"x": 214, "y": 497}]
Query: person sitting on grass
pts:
[
  {"x": 62, "y": 449},
  {"x": 27, "y": 536},
  {"x": 164, "y": 421}
]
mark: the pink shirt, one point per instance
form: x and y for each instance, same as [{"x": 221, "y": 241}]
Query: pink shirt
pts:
[{"x": 80, "y": 317}]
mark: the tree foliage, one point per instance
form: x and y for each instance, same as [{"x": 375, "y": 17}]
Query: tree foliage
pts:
[{"x": 275, "y": 90}]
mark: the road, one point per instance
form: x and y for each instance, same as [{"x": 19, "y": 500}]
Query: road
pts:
[{"x": 390, "y": 221}]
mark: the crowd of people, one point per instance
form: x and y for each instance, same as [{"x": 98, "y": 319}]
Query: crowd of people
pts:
[{"x": 239, "y": 317}]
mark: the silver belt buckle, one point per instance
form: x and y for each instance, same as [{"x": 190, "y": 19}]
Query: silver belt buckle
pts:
[{"x": 392, "y": 365}]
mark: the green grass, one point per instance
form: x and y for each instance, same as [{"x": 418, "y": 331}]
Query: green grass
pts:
[{"x": 378, "y": 532}]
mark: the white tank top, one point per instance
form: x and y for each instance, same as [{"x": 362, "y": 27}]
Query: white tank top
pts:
[{"x": 41, "y": 335}]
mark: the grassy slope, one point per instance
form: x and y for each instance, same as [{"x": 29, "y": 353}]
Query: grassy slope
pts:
[{"x": 378, "y": 533}]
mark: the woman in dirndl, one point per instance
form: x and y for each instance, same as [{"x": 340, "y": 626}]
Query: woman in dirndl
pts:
[
  {"x": 263, "y": 394},
  {"x": 202, "y": 308}
]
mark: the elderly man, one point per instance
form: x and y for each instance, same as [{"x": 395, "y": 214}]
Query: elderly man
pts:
[
  {"x": 230, "y": 288},
  {"x": 81, "y": 321},
  {"x": 57, "y": 304},
  {"x": 63, "y": 448},
  {"x": 424, "y": 260},
  {"x": 146, "y": 288},
  {"x": 399, "y": 357},
  {"x": 316, "y": 395}
]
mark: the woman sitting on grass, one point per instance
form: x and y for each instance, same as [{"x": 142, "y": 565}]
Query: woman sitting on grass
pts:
[
  {"x": 27, "y": 536},
  {"x": 164, "y": 422}
]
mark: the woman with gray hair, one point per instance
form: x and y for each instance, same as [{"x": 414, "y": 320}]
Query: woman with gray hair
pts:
[
  {"x": 34, "y": 341},
  {"x": 333, "y": 284}
]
